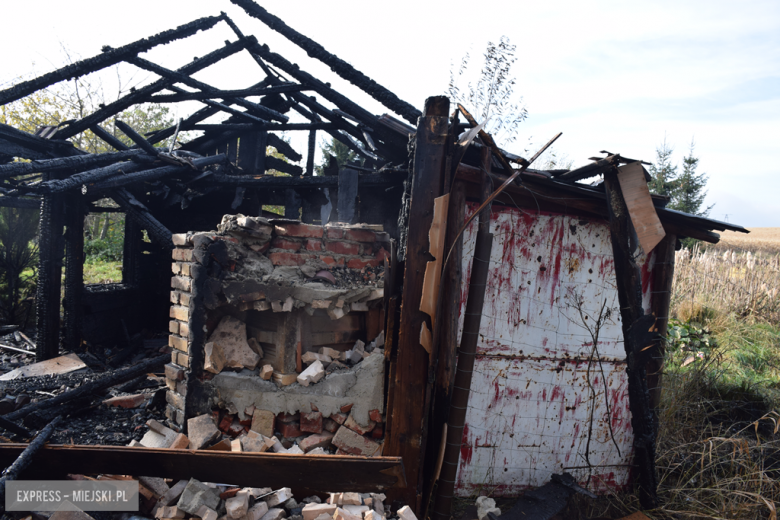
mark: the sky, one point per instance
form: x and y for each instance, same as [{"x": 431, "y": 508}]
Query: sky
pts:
[{"x": 617, "y": 76}]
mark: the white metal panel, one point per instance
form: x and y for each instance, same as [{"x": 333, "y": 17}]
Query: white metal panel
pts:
[{"x": 538, "y": 403}]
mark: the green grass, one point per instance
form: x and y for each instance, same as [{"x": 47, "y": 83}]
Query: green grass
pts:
[{"x": 102, "y": 271}]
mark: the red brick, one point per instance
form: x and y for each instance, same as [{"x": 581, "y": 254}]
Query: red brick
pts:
[
  {"x": 229, "y": 493},
  {"x": 346, "y": 408},
  {"x": 382, "y": 254},
  {"x": 288, "y": 258},
  {"x": 360, "y": 263},
  {"x": 339, "y": 417},
  {"x": 311, "y": 422},
  {"x": 286, "y": 243},
  {"x": 333, "y": 262},
  {"x": 353, "y": 425},
  {"x": 375, "y": 415},
  {"x": 354, "y": 443},
  {"x": 288, "y": 417},
  {"x": 225, "y": 423},
  {"x": 299, "y": 230},
  {"x": 313, "y": 245},
  {"x": 378, "y": 432},
  {"x": 330, "y": 425},
  {"x": 335, "y": 232},
  {"x": 235, "y": 429},
  {"x": 290, "y": 430},
  {"x": 343, "y": 248},
  {"x": 314, "y": 408},
  {"x": 360, "y": 235},
  {"x": 318, "y": 440}
]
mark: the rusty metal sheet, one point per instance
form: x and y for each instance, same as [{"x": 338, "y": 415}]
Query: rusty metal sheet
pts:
[{"x": 538, "y": 392}]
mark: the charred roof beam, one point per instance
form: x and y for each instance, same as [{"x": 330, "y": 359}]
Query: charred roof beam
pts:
[
  {"x": 142, "y": 94},
  {"x": 108, "y": 58},
  {"x": 178, "y": 77},
  {"x": 337, "y": 65},
  {"x": 226, "y": 94}
]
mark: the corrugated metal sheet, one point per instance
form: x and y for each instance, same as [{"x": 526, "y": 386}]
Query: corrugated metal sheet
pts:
[{"x": 538, "y": 401}]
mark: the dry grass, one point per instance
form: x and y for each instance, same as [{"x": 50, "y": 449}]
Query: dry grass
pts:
[
  {"x": 724, "y": 282},
  {"x": 765, "y": 240}
]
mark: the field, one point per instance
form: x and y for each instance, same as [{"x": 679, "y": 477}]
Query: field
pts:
[{"x": 764, "y": 240}]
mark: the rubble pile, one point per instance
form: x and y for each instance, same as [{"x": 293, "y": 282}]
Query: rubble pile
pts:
[{"x": 208, "y": 501}]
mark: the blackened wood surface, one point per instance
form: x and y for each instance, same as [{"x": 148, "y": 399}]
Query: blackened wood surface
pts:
[
  {"x": 47, "y": 299},
  {"x": 663, "y": 274},
  {"x": 74, "y": 272},
  {"x": 629, "y": 288},
  {"x": 406, "y": 438},
  {"x": 320, "y": 473},
  {"x": 136, "y": 210},
  {"x": 65, "y": 164}
]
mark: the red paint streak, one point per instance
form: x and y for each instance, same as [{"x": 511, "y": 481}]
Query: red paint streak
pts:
[
  {"x": 497, "y": 394},
  {"x": 466, "y": 451}
]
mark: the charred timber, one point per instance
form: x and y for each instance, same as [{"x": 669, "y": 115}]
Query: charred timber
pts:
[
  {"x": 91, "y": 176},
  {"x": 49, "y": 147},
  {"x": 208, "y": 89},
  {"x": 252, "y": 91},
  {"x": 25, "y": 459},
  {"x": 74, "y": 272},
  {"x": 339, "y": 66},
  {"x": 142, "y": 94},
  {"x": 78, "y": 162},
  {"x": 137, "y": 138},
  {"x": 136, "y": 210},
  {"x": 19, "y": 202},
  {"x": 590, "y": 170},
  {"x": 284, "y": 147},
  {"x": 323, "y": 89},
  {"x": 268, "y": 127},
  {"x": 115, "y": 378},
  {"x": 47, "y": 299},
  {"x": 108, "y": 138},
  {"x": 270, "y": 181},
  {"x": 108, "y": 58},
  {"x": 157, "y": 173}
]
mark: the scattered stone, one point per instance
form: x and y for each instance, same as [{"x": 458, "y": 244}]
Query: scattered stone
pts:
[
  {"x": 377, "y": 500},
  {"x": 267, "y": 372},
  {"x": 235, "y": 445},
  {"x": 257, "y": 511},
  {"x": 351, "y": 499},
  {"x": 230, "y": 334},
  {"x": 314, "y": 499},
  {"x": 486, "y": 505},
  {"x": 214, "y": 360},
  {"x": 343, "y": 514},
  {"x": 313, "y": 374},
  {"x": 355, "y": 509},
  {"x": 158, "y": 436},
  {"x": 169, "y": 512},
  {"x": 295, "y": 450},
  {"x": 202, "y": 431},
  {"x": 312, "y": 511},
  {"x": 197, "y": 494},
  {"x": 206, "y": 513},
  {"x": 311, "y": 357},
  {"x": 372, "y": 515},
  {"x": 181, "y": 442},
  {"x": 274, "y": 514},
  {"x": 285, "y": 379},
  {"x": 330, "y": 425},
  {"x": 406, "y": 513},
  {"x": 280, "y": 496},
  {"x": 237, "y": 506}
]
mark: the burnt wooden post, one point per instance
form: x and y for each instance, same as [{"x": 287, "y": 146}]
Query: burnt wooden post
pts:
[
  {"x": 347, "y": 196},
  {"x": 310, "y": 154},
  {"x": 74, "y": 271},
  {"x": 131, "y": 252},
  {"x": 292, "y": 204},
  {"x": 663, "y": 274},
  {"x": 47, "y": 299},
  {"x": 406, "y": 437},
  {"x": 636, "y": 336},
  {"x": 251, "y": 157}
]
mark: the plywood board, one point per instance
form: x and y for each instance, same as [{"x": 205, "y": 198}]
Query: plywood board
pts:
[
  {"x": 436, "y": 236},
  {"x": 640, "y": 205},
  {"x": 58, "y": 365}
]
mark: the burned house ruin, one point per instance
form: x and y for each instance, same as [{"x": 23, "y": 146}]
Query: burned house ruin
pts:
[{"x": 446, "y": 294}]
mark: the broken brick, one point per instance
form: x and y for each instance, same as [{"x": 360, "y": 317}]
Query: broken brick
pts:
[
  {"x": 267, "y": 372},
  {"x": 339, "y": 417},
  {"x": 311, "y": 422},
  {"x": 360, "y": 235},
  {"x": 181, "y": 442},
  {"x": 312, "y": 511},
  {"x": 375, "y": 415},
  {"x": 225, "y": 423},
  {"x": 355, "y": 444},
  {"x": 299, "y": 230},
  {"x": 343, "y": 248},
  {"x": 353, "y": 425},
  {"x": 126, "y": 401},
  {"x": 378, "y": 431},
  {"x": 201, "y": 431},
  {"x": 318, "y": 440},
  {"x": 286, "y": 243},
  {"x": 214, "y": 360},
  {"x": 174, "y": 372},
  {"x": 197, "y": 494},
  {"x": 346, "y": 408},
  {"x": 238, "y": 505},
  {"x": 288, "y": 417},
  {"x": 290, "y": 430},
  {"x": 288, "y": 259},
  {"x": 263, "y": 422},
  {"x": 330, "y": 425}
]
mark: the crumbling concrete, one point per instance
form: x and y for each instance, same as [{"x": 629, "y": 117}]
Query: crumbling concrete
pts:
[{"x": 361, "y": 385}]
